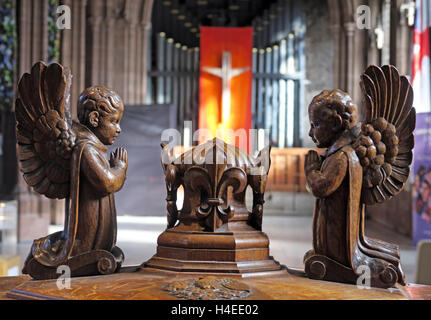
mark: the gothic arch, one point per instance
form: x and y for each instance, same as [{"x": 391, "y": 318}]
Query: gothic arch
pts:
[
  {"x": 350, "y": 45},
  {"x": 355, "y": 48}
]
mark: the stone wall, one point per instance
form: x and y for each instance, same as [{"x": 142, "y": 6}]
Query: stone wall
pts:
[
  {"x": 106, "y": 45},
  {"x": 332, "y": 32},
  {"x": 319, "y": 56}
]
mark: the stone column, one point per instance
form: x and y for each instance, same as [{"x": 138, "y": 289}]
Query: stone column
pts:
[
  {"x": 110, "y": 24},
  {"x": 386, "y": 24},
  {"x": 24, "y": 39},
  {"x": 139, "y": 62},
  {"x": 119, "y": 69},
  {"x": 72, "y": 52},
  {"x": 350, "y": 46},
  {"x": 132, "y": 59},
  {"x": 350, "y": 28},
  {"x": 94, "y": 36},
  {"x": 39, "y": 28},
  {"x": 335, "y": 26},
  {"x": 359, "y": 55},
  {"x": 127, "y": 62},
  {"x": 33, "y": 34},
  {"x": 146, "y": 38},
  {"x": 33, "y": 209},
  {"x": 336, "y": 34},
  {"x": 403, "y": 40},
  {"x": 132, "y": 13},
  {"x": 136, "y": 40},
  {"x": 116, "y": 46},
  {"x": 373, "y": 52}
]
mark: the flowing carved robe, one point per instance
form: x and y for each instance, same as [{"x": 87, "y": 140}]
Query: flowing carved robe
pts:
[
  {"x": 339, "y": 215},
  {"x": 90, "y": 220}
]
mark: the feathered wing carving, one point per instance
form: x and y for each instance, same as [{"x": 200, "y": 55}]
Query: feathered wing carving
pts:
[
  {"x": 44, "y": 129},
  {"x": 386, "y": 140}
]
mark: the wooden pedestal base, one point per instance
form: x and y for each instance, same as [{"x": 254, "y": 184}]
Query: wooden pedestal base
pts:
[{"x": 242, "y": 252}]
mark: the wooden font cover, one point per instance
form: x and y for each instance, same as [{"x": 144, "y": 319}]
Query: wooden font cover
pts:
[{"x": 214, "y": 232}]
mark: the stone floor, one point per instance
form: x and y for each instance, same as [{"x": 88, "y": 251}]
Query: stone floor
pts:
[{"x": 290, "y": 237}]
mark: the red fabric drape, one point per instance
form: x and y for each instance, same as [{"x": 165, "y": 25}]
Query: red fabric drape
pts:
[{"x": 239, "y": 42}]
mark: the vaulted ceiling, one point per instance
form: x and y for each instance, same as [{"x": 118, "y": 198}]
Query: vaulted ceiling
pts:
[{"x": 181, "y": 19}]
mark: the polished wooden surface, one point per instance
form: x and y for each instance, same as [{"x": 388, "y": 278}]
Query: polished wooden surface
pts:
[
  {"x": 9, "y": 283},
  {"x": 150, "y": 285},
  {"x": 417, "y": 291}
]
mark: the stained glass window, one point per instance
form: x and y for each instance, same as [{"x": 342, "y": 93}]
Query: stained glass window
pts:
[
  {"x": 7, "y": 52},
  {"x": 53, "y": 32}
]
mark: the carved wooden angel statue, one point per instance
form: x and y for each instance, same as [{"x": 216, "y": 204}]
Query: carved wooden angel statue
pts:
[
  {"x": 363, "y": 164},
  {"x": 64, "y": 159}
]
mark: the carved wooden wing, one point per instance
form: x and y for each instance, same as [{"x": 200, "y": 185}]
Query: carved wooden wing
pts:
[
  {"x": 44, "y": 134},
  {"x": 386, "y": 140}
]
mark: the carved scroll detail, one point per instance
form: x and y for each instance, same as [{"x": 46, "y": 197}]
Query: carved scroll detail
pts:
[{"x": 172, "y": 184}]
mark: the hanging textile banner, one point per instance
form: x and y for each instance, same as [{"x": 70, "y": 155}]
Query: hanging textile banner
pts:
[
  {"x": 225, "y": 84},
  {"x": 422, "y": 179},
  {"x": 421, "y": 57}
]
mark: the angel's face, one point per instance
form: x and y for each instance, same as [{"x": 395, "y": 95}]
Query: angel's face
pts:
[
  {"x": 108, "y": 127},
  {"x": 322, "y": 126}
]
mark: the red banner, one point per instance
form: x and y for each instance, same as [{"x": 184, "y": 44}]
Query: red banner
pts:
[{"x": 225, "y": 83}]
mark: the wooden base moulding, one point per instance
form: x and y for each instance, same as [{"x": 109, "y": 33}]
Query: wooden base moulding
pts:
[{"x": 244, "y": 253}]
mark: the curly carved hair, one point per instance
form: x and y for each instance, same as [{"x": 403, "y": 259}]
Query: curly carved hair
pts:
[
  {"x": 100, "y": 99},
  {"x": 339, "y": 104}
]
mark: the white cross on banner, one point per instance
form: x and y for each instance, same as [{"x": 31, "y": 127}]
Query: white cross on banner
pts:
[{"x": 226, "y": 73}]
